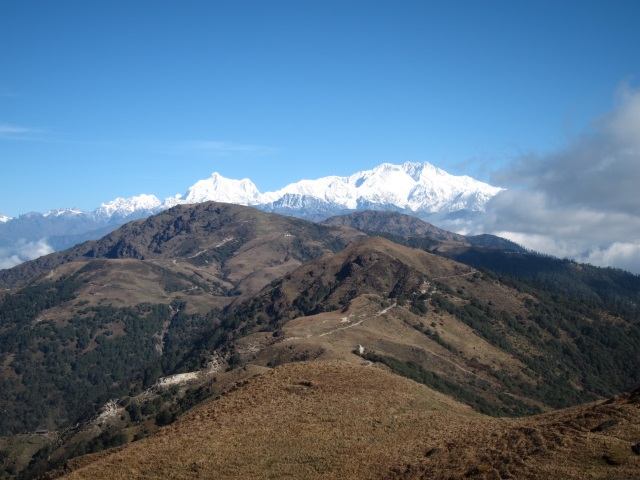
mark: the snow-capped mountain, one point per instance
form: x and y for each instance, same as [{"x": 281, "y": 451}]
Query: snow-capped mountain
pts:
[
  {"x": 414, "y": 187},
  {"x": 417, "y": 188},
  {"x": 64, "y": 212},
  {"x": 120, "y": 208},
  {"x": 220, "y": 189}
]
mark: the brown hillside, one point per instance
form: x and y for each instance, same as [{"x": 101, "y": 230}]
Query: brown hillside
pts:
[
  {"x": 108, "y": 317},
  {"x": 374, "y": 265},
  {"x": 377, "y": 294},
  {"x": 505, "y": 349},
  {"x": 233, "y": 245},
  {"x": 337, "y": 420},
  {"x": 394, "y": 223},
  {"x": 412, "y": 231},
  {"x": 204, "y": 289}
]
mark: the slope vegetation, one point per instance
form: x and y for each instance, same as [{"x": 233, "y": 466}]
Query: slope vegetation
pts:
[
  {"x": 109, "y": 317},
  {"x": 411, "y": 231},
  {"x": 393, "y": 223},
  {"x": 158, "y": 316},
  {"x": 204, "y": 238},
  {"x": 502, "y": 347},
  {"x": 337, "y": 420}
]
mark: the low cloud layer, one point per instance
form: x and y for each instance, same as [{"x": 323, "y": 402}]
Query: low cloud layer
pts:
[
  {"x": 22, "y": 251},
  {"x": 581, "y": 201}
]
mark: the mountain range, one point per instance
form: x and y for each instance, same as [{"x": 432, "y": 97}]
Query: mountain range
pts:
[
  {"x": 417, "y": 188},
  {"x": 358, "y": 346}
]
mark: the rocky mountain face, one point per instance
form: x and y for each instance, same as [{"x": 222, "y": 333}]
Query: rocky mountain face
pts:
[{"x": 322, "y": 326}]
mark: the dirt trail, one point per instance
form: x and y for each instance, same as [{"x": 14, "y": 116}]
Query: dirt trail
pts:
[
  {"x": 377, "y": 314},
  {"x": 457, "y": 275}
]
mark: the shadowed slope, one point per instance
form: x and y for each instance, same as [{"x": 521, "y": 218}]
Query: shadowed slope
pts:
[
  {"x": 501, "y": 348},
  {"x": 97, "y": 320},
  {"x": 394, "y": 223},
  {"x": 409, "y": 230}
]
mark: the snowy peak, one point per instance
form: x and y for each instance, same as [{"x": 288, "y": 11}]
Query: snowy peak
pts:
[
  {"x": 326, "y": 188},
  {"x": 418, "y": 187},
  {"x": 63, "y": 212},
  {"x": 413, "y": 187},
  {"x": 220, "y": 189},
  {"x": 126, "y": 207},
  {"x": 386, "y": 184}
]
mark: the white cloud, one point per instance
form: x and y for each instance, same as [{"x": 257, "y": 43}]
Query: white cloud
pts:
[
  {"x": 580, "y": 201},
  {"x": 23, "y": 251},
  {"x": 4, "y": 129},
  {"x": 617, "y": 254},
  {"x": 16, "y": 132}
]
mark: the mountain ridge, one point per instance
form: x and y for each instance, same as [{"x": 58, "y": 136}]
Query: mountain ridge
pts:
[
  {"x": 211, "y": 291},
  {"x": 416, "y": 188},
  {"x": 412, "y": 186},
  {"x": 199, "y": 233}
]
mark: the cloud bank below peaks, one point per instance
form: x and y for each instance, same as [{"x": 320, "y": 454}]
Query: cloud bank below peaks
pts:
[
  {"x": 21, "y": 251},
  {"x": 580, "y": 201}
]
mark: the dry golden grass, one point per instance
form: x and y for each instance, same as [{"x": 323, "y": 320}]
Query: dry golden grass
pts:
[
  {"x": 317, "y": 420},
  {"x": 566, "y": 444},
  {"x": 434, "y": 269},
  {"x": 388, "y": 331},
  {"x": 341, "y": 417},
  {"x": 339, "y": 420}
]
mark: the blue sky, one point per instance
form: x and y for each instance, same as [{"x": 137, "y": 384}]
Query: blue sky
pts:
[{"x": 112, "y": 98}]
